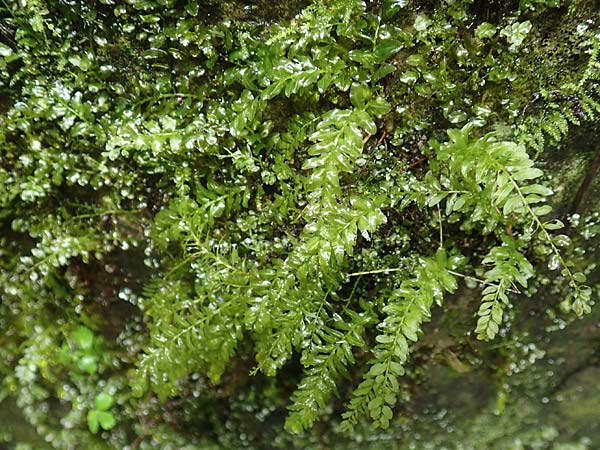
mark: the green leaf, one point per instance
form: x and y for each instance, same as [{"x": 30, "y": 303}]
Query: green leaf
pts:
[
  {"x": 86, "y": 63},
  {"x": 554, "y": 225},
  {"x": 154, "y": 53},
  {"x": 5, "y": 50},
  {"x": 537, "y": 189},
  {"x": 436, "y": 198},
  {"x": 378, "y": 107},
  {"x": 364, "y": 121},
  {"x": 88, "y": 364},
  {"x": 107, "y": 420},
  {"x": 409, "y": 77},
  {"x": 527, "y": 174},
  {"x": 365, "y": 58},
  {"x": 324, "y": 82},
  {"x": 272, "y": 90},
  {"x": 359, "y": 94},
  {"x": 238, "y": 125},
  {"x": 383, "y": 71},
  {"x": 485, "y": 31},
  {"x": 83, "y": 337},
  {"x": 392, "y": 7},
  {"x": 492, "y": 329},
  {"x": 384, "y": 339},
  {"x": 377, "y": 369},
  {"x": 579, "y": 277},
  {"x": 542, "y": 210},
  {"x": 416, "y": 60},
  {"x": 422, "y": 22},
  {"x": 386, "y": 413},
  {"x": 75, "y": 60},
  {"x": 92, "y": 420},
  {"x": 516, "y": 32},
  {"x": 512, "y": 204},
  {"x": 387, "y": 48},
  {"x": 192, "y": 8},
  {"x": 103, "y": 401}
]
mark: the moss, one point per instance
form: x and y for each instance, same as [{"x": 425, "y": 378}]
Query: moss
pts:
[{"x": 254, "y": 209}]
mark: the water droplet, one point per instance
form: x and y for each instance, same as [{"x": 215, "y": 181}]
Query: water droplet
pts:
[{"x": 554, "y": 262}]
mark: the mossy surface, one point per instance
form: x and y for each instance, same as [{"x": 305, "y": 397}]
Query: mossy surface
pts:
[{"x": 304, "y": 224}]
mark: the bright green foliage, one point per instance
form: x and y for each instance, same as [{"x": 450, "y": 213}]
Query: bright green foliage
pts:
[
  {"x": 326, "y": 357},
  {"x": 84, "y": 350},
  {"x": 100, "y": 417},
  {"x": 407, "y": 308},
  {"x": 222, "y": 194},
  {"x": 509, "y": 267}
]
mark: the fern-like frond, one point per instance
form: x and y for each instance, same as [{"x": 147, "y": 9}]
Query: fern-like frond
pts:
[
  {"x": 324, "y": 363},
  {"x": 509, "y": 267},
  {"x": 568, "y": 105},
  {"x": 406, "y": 309},
  {"x": 194, "y": 325},
  {"x": 501, "y": 178},
  {"x": 312, "y": 268}
]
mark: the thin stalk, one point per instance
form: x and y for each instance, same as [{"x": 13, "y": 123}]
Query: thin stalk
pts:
[{"x": 544, "y": 232}]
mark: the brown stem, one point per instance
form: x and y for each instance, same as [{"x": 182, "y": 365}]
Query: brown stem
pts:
[{"x": 589, "y": 176}]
